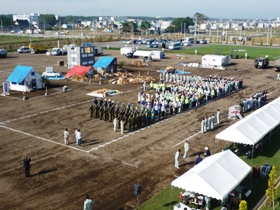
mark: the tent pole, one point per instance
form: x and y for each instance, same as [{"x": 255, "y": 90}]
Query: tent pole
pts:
[
  {"x": 269, "y": 139},
  {"x": 170, "y": 197}
]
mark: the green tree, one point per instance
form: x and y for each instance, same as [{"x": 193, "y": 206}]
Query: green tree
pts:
[
  {"x": 199, "y": 18},
  {"x": 179, "y": 24},
  {"x": 243, "y": 205},
  {"x": 48, "y": 19},
  {"x": 6, "y": 20},
  {"x": 271, "y": 191},
  {"x": 145, "y": 25}
]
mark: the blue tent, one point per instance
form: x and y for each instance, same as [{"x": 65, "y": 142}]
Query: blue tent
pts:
[
  {"x": 107, "y": 62},
  {"x": 19, "y": 74}
]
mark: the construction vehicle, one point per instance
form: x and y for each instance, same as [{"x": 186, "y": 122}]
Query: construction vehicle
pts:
[
  {"x": 261, "y": 63},
  {"x": 37, "y": 49},
  {"x": 3, "y": 53}
]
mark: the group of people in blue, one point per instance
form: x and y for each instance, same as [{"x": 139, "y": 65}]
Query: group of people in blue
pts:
[{"x": 253, "y": 103}]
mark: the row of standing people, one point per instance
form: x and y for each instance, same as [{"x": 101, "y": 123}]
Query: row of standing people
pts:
[{"x": 208, "y": 123}]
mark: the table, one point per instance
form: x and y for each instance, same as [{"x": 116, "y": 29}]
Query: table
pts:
[{"x": 181, "y": 206}]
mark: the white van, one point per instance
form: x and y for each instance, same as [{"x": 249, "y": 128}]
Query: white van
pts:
[
  {"x": 174, "y": 46},
  {"x": 189, "y": 39}
]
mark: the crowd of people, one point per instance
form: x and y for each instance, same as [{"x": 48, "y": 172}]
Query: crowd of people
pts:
[
  {"x": 253, "y": 103},
  {"x": 183, "y": 92}
]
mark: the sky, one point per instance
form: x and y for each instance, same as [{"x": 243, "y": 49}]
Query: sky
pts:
[{"x": 223, "y": 9}]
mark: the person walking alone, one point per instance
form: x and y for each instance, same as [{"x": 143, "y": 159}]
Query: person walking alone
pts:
[
  {"x": 27, "y": 166},
  {"x": 177, "y": 155},
  {"x": 88, "y": 203},
  {"x": 66, "y": 136}
]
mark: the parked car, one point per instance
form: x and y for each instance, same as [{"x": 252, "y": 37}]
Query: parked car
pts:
[
  {"x": 58, "y": 51},
  {"x": 139, "y": 41},
  {"x": 203, "y": 41},
  {"x": 187, "y": 44},
  {"x": 24, "y": 49},
  {"x": 153, "y": 45},
  {"x": 51, "y": 73}
]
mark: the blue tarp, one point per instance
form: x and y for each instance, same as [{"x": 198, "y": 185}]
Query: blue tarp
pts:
[
  {"x": 19, "y": 74},
  {"x": 103, "y": 62}
]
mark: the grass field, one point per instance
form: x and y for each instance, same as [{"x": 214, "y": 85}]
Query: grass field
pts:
[
  {"x": 270, "y": 153},
  {"x": 252, "y": 51}
]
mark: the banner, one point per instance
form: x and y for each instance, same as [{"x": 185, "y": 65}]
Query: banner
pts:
[{"x": 6, "y": 88}]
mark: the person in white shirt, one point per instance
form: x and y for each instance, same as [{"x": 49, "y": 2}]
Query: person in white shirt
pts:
[
  {"x": 66, "y": 136},
  {"x": 122, "y": 126},
  {"x": 186, "y": 147},
  {"x": 79, "y": 137},
  {"x": 115, "y": 122},
  {"x": 88, "y": 203},
  {"x": 76, "y": 137},
  {"x": 177, "y": 155}
]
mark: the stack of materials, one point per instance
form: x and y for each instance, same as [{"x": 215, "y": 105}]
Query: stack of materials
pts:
[
  {"x": 138, "y": 63},
  {"x": 127, "y": 78}
]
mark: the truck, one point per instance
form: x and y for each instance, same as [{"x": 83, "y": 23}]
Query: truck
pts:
[
  {"x": 153, "y": 55},
  {"x": 3, "y": 53},
  {"x": 37, "y": 49},
  {"x": 98, "y": 51},
  {"x": 127, "y": 51}
]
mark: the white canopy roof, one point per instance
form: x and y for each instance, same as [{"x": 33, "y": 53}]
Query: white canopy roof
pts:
[
  {"x": 216, "y": 176},
  {"x": 255, "y": 126}
]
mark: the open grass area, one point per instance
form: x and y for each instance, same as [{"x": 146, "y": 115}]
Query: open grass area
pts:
[
  {"x": 268, "y": 153},
  {"x": 252, "y": 51}
]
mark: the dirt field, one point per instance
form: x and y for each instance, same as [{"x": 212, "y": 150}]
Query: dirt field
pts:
[{"x": 106, "y": 167}]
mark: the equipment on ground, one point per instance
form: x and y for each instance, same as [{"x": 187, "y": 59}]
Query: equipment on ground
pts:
[
  {"x": 261, "y": 63},
  {"x": 235, "y": 55},
  {"x": 277, "y": 64}
]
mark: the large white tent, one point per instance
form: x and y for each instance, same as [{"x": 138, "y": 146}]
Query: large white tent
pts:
[
  {"x": 255, "y": 126},
  {"x": 216, "y": 176}
]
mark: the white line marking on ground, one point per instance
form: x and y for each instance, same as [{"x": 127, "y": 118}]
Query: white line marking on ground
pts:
[
  {"x": 41, "y": 138},
  {"x": 186, "y": 139},
  {"x": 45, "y": 112}
]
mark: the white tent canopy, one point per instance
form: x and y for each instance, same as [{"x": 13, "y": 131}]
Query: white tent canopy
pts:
[
  {"x": 216, "y": 176},
  {"x": 255, "y": 126}
]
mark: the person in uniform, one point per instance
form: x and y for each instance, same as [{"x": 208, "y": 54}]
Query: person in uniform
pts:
[
  {"x": 106, "y": 113},
  {"x": 91, "y": 110},
  {"x": 218, "y": 116},
  {"x": 97, "y": 108},
  {"x": 101, "y": 111},
  {"x": 186, "y": 149},
  {"x": 212, "y": 121},
  {"x": 177, "y": 155},
  {"x": 202, "y": 125}
]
